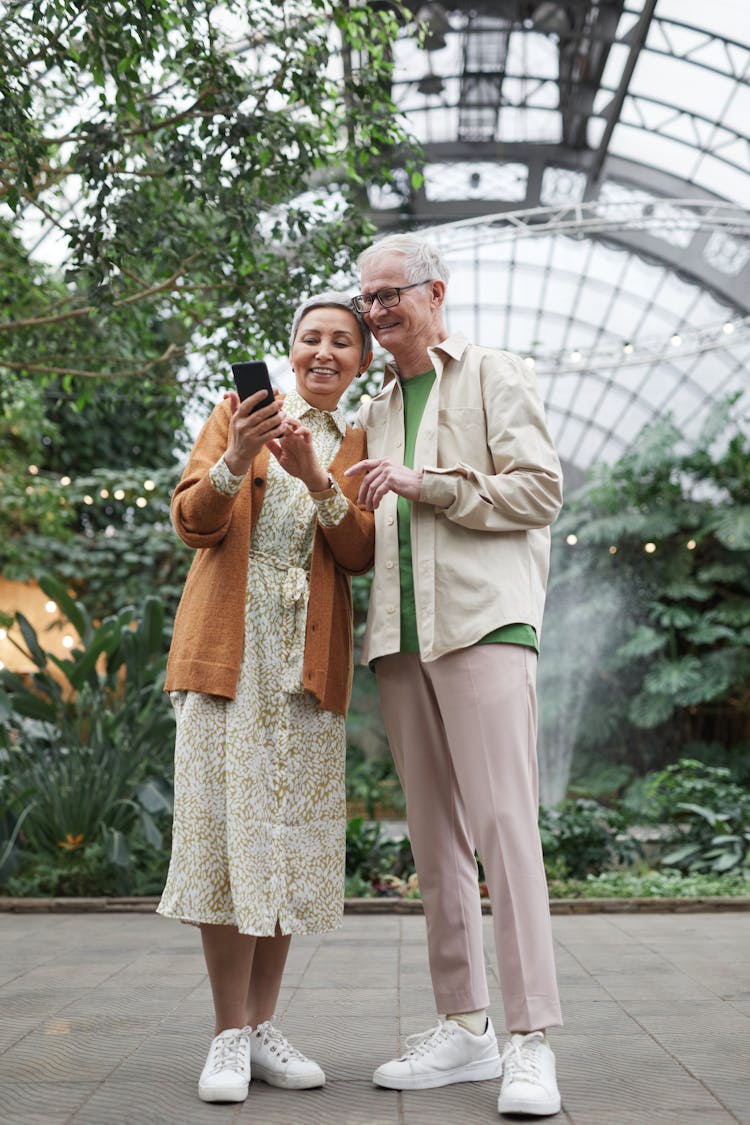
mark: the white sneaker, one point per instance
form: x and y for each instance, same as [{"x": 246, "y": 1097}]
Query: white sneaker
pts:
[
  {"x": 529, "y": 1082},
  {"x": 278, "y": 1063},
  {"x": 444, "y": 1054},
  {"x": 226, "y": 1075}
]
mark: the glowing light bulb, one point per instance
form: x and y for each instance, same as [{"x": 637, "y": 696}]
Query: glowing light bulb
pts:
[
  {"x": 50, "y": 606},
  {"x": 33, "y": 469},
  {"x": 613, "y": 550},
  {"x": 628, "y": 347},
  {"x": 676, "y": 340},
  {"x": 141, "y": 502},
  {"x": 119, "y": 494},
  {"x": 104, "y": 493},
  {"x": 575, "y": 356},
  {"x": 3, "y": 634},
  {"x": 149, "y": 485},
  {"x": 67, "y": 641},
  {"x": 728, "y": 328},
  {"x": 88, "y": 499},
  {"x": 691, "y": 544},
  {"x": 64, "y": 481},
  {"x": 529, "y": 360},
  {"x": 649, "y": 548},
  {"x": 571, "y": 540}
]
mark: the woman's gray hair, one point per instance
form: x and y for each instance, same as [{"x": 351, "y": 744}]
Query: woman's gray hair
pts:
[
  {"x": 422, "y": 260},
  {"x": 331, "y": 299}
]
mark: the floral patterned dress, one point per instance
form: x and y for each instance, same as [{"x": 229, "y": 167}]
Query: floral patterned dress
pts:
[{"x": 259, "y": 819}]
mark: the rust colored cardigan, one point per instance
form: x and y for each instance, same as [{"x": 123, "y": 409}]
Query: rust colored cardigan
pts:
[{"x": 208, "y": 638}]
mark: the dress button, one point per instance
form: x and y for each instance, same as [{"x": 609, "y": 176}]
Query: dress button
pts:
[
  {"x": 259, "y": 482},
  {"x": 390, "y": 520},
  {"x": 389, "y": 564},
  {"x": 391, "y": 609}
]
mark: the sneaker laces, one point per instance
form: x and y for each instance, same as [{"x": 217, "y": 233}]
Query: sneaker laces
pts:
[
  {"x": 277, "y": 1042},
  {"x": 227, "y": 1050},
  {"x": 425, "y": 1041},
  {"x": 520, "y": 1059}
]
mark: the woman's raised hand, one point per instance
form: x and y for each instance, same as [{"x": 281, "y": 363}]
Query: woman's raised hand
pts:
[
  {"x": 297, "y": 455},
  {"x": 249, "y": 432}
]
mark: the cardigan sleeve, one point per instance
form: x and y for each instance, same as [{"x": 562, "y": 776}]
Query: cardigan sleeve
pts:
[
  {"x": 352, "y": 540},
  {"x": 201, "y": 514}
]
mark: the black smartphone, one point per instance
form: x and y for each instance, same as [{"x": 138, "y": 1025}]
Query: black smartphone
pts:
[{"x": 250, "y": 377}]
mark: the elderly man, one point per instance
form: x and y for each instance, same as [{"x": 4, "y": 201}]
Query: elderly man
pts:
[{"x": 465, "y": 482}]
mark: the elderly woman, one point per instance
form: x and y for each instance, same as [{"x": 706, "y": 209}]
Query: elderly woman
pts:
[{"x": 260, "y": 682}]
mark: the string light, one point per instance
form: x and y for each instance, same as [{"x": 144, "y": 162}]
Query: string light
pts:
[
  {"x": 613, "y": 550},
  {"x": 104, "y": 493},
  {"x": 141, "y": 502},
  {"x": 65, "y": 481},
  {"x": 649, "y": 548},
  {"x": 571, "y": 540},
  {"x": 3, "y": 634},
  {"x": 33, "y": 469},
  {"x": 88, "y": 499},
  {"x": 119, "y": 494},
  {"x": 627, "y": 347},
  {"x": 691, "y": 544},
  {"x": 50, "y": 606},
  {"x": 149, "y": 485},
  {"x": 528, "y": 360},
  {"x": 67, "y": 641},
  {"x": 675, "y": 340},
  {"x": 575, "y": 356},
  {"x": 728, "y": 328}
]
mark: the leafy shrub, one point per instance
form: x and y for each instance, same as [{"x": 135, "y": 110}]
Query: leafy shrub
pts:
[
  {"x": 581, "y": 836},
  {"x": 371, "y": 853},
  {"x": 709, "y": 813},
  {"x": 84, "y": 760},
  {"x": 650, "y": 884},
  {"x": 373, "y": 781}
]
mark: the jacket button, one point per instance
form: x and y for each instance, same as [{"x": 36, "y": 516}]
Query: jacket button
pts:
[{"x": 259, "y": 482}]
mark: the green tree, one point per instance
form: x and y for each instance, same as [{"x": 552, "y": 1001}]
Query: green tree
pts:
[
  {"x": 188, "y": 170},
  {"x": 647, "y": 629}
]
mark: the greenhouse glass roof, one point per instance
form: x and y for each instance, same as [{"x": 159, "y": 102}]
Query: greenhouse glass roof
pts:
[{"x": 587, "y": 173}]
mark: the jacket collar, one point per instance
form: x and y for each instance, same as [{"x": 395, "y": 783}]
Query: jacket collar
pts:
[{"x": 453, "y": 346}]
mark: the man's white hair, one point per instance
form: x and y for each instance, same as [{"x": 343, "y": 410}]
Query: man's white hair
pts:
[{"x": 422, "y": 260}]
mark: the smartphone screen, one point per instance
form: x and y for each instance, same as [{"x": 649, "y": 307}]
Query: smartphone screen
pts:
[{"x": 250, "y": 377}]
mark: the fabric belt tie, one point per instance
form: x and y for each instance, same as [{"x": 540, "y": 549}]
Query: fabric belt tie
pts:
[{"x": 295, "y": 591}]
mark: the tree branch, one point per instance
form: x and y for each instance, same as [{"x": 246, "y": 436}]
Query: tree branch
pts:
[{"x": 86, "y": 310}]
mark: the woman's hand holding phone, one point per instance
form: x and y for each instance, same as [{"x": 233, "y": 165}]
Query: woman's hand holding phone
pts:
[{"x": 251, "y": 428}]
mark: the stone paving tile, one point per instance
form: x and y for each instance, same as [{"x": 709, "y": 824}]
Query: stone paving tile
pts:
[{"x": 107, "y": 1019}]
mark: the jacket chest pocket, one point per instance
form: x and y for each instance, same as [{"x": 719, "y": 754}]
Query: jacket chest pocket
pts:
[{"x": 462, "y": 434}]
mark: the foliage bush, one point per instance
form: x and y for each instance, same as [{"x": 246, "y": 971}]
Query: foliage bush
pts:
[
  {"x": 646, "y": 651},
  {"x": 581, "y": 837},
  {"x": 709, "y": 815},
  {"x": 650, "y": 884},
  {"x": 85, "y": 755}
]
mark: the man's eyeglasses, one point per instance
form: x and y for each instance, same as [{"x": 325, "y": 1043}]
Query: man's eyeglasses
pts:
[{"x": 389, "y": 297}]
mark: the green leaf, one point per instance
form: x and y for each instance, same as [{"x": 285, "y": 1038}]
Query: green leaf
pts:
[
  {"x": 73, "y": 611},
  {"x": 29, "y": 635}
]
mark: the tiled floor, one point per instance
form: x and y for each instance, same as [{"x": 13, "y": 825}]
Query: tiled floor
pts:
[{"x": 105, "y": 1020}]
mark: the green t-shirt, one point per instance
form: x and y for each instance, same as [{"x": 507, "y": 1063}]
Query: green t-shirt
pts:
[{"x": 416, "y": 391}]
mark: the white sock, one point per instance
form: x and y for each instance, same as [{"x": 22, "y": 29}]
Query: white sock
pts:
[{"x": 475, "y": 1022}]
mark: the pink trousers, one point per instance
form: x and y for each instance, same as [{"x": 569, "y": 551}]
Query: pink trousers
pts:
[{"x": 462, "y": 730}]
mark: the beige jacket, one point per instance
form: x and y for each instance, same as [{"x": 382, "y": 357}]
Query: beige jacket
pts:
[{"x": 492, "y": 485}]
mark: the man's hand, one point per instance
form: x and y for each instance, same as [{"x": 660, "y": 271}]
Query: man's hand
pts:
[{"x": 381, "y": 475}]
